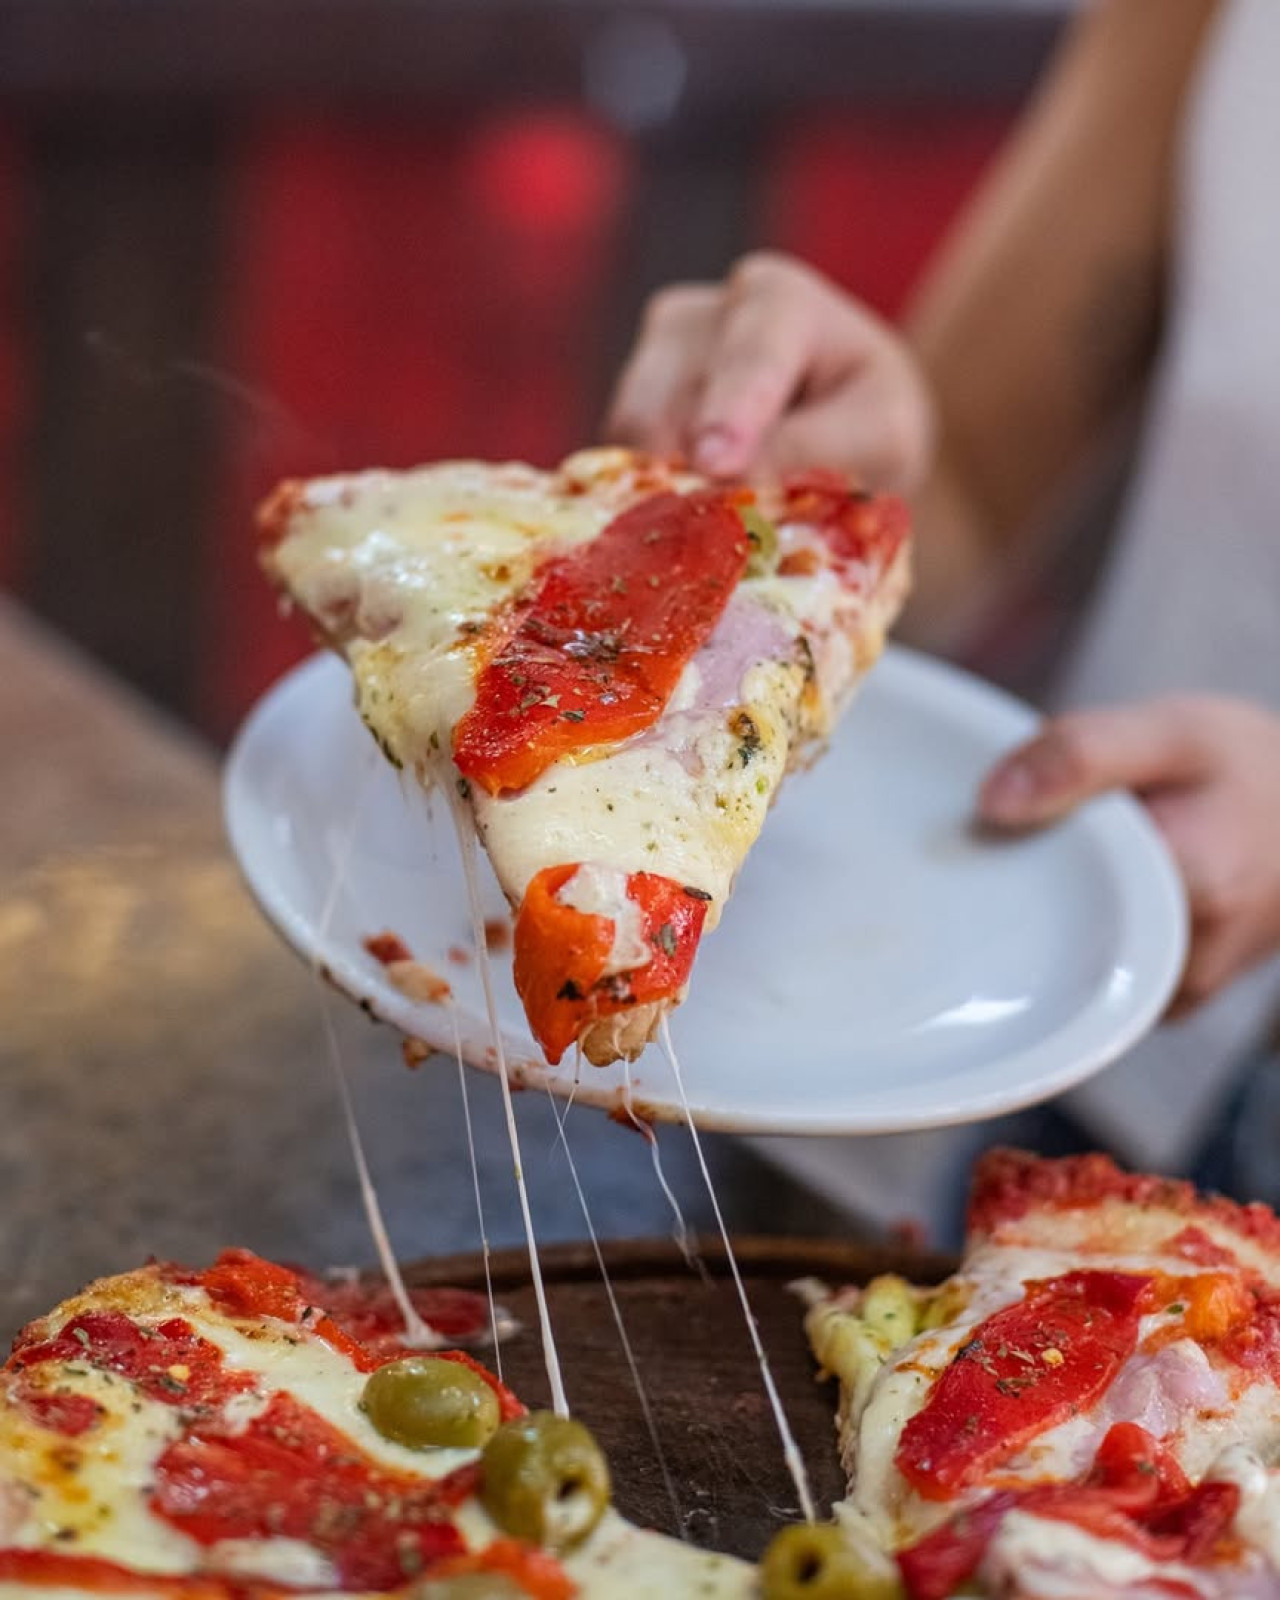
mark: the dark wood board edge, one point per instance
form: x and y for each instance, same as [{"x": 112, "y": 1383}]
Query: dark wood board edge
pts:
[{"x": 758, "y": 1256}]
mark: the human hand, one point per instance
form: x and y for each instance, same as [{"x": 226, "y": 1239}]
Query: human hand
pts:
[
  {"x": 771, "y": 371},
  {"x": 1208, "y": 771}
]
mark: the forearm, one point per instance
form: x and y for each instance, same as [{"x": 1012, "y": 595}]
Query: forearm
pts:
[{"x": 1037, "y": 327}]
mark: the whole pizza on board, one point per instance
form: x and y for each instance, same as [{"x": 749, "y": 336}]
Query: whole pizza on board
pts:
[{"x": 612, "y": 666}]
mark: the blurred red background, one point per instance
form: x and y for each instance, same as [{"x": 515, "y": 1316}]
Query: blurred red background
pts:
[{"x": 353, "y": 287}]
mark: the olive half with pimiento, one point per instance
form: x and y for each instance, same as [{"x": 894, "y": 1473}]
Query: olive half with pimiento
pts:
[
  {"x": 429, "y": 1402},
  {"x": 545, "y": 1479},
  {"x": 815, "y": 1561}
]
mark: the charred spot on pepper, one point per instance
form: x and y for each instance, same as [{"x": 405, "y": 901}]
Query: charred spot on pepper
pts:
[
  {"x": 569, "y": 990},
  {"x": 696, "y": 894},
  {"x": 616, "y": 988}
]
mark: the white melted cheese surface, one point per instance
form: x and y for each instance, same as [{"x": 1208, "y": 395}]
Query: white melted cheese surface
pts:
[
  {"x": 602, "y": 891},
  {"x": 402, "y": 568}
]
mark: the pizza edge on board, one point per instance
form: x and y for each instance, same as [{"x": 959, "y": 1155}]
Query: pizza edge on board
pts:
[
  {"x": 612, "y": 666},
  {"x": 1089, "y": 1407},
  {"x": 251, "y": 1432}
]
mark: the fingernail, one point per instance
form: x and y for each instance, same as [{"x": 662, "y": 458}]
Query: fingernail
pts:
[
  {"x": 716, "y": 450},
  {"x": 1009, "y": 794}
]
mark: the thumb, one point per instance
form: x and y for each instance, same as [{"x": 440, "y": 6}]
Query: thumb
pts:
[{"x": 1086, "y": 753}]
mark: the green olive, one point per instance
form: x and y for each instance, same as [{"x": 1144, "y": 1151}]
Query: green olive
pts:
[
  {"x": 469, "y": 1586},
  {"x": 426, "y": 1401},
  {"x": 814, "y": 1561},
  {"x": 545, "y": 1479},
  {"x": 763, "y": 539}
]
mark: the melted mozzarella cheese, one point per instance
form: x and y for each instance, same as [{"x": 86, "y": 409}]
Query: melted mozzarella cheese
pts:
[
  {"x": 88, "y": 1494},
  {"x": 273, "y": 1561},
  {"x": 320, "y": 1377},
  {"x": 602, "y": 891},
  {"x": 1258, "y": 1519}
]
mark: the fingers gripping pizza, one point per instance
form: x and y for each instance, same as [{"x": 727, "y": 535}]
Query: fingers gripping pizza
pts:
[
  {"x": 1090, "y": 1407},
  {"x": 614, "y": 664},
  {"x": 252, "y": 1433}
]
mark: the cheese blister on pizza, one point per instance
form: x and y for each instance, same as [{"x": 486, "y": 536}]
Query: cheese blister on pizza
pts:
[
  {"x": 1090, "y": 1406},
  {"x": 615, "y": 664},
  {"x": 249, "y": 1432}
]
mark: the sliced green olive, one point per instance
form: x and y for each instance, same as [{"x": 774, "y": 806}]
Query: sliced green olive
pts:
[
  {"x": 545, "y": 1479},
  {"x": 469, "y": 1586},
  {"x": 427, "y": 1402},
  {"x": 763, "y": 538},
  {"x": 816, "y": 1562}
]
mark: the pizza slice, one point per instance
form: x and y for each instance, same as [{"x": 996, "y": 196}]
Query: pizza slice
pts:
[
  {"x": 1089, "y": 1407},
  {"x": 613, "y": 664},
  {"x": 249, "y": 1432}
]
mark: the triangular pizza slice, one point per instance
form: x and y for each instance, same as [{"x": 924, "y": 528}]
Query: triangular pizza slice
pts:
[
  {"x": 1089, "y": 1407},
  {"x": 614, "y": 664}
]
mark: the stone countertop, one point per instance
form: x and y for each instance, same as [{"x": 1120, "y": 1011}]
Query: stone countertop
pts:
[{"x": 163, "y": 1083}]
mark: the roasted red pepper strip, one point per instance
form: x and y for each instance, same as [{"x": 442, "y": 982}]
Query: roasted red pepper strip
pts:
[
  {"x": 592, "y": 655},
  {"x": 934, "y": 1567},
  {"x": 1021, "y": 1372},
  {"x": 1135, "y": 1469},
  {"x": 59, "y": 1569},
  {"x": 1136, "y": 1493},
  {"x": 288, "y": 1473},
  {"x": 561, "y": 954},
  {"x": 855, "y": 527}
]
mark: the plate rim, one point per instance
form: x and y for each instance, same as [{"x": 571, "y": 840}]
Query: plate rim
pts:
[{"x": 1139, "y": 852}]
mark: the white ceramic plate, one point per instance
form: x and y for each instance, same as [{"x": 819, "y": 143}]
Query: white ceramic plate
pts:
[{"x": 881, "y": 966}]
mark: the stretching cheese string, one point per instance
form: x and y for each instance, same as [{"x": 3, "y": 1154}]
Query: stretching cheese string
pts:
[
  {"x": 642, "y": 1395},
  {"x": 475, "y": 1180},
  {"x": 465, "y": 828},
  {"x": 417, "y": 1333},
  {"x": 790, "y": 1450}
]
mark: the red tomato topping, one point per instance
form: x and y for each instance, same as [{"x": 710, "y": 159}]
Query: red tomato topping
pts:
[
  {"x": 561, "y": 954},
  {"x": 369, "y": 1313},
  {"x": 857, "y": 528},
  {"x": 68, "y": 1414},
  {"x": 170, "y": 1362},
  {"x": 61, "y": 1569},
  {"x": 1195, "y": 1245},
  {"x": 358, "y": 1318},
  {"x": 593, "y": 652},
  {"x": 290, "y": 1474},
  {"x": 1135, "y": 1469},
  {"x": 1136, "y": 1493},
  {"x": 536, "y": 1572},
  {"x": 1008, "y": 1184},
  {"x": 1021, "y": 1372},
  {"x": 247, "y": 1286},
  {"x": 934, "y": 1567}
]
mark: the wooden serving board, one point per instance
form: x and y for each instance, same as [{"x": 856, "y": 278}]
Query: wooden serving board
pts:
[{"x": 689, "y": 1339}]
